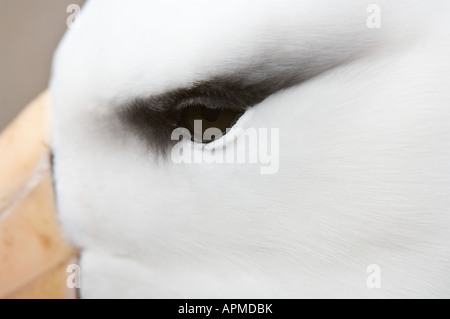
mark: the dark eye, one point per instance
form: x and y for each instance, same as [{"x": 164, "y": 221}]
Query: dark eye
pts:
[{"x": 219, "y": 118}]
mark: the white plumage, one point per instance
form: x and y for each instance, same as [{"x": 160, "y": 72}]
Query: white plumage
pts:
[{"x": 364, "y": 154}]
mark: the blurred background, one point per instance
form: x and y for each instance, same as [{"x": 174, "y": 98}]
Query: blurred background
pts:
[{"x": 29, "y": 33}]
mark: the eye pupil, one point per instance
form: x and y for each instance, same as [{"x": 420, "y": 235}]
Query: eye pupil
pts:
[
  {"x": 211, "y": 115},
  {"x": 221, "y": 119}
]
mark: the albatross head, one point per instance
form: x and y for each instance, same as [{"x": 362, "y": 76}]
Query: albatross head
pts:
[{"x": 350, "y": 163}]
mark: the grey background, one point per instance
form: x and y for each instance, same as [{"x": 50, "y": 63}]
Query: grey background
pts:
[{"x": 29, "y": 33}]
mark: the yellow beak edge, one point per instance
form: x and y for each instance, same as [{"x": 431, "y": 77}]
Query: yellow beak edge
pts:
[{"x": 33, "y": 253}]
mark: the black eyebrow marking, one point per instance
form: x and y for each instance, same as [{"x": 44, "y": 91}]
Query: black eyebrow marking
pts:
[{"x": 154, "y": 118}]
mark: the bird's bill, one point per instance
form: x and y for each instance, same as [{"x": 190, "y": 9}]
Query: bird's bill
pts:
[{"x": 33, "y": 254}]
